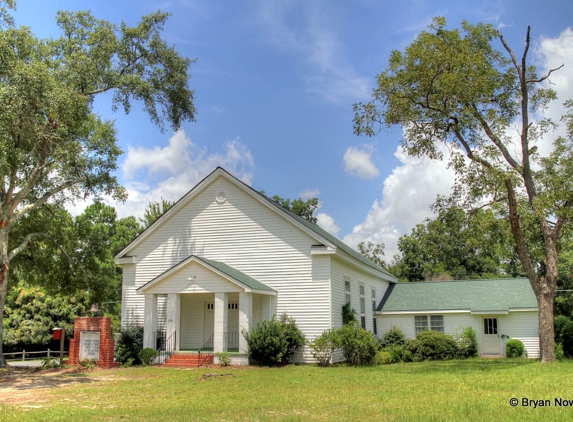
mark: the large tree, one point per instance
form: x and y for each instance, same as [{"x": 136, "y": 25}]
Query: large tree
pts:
[
  {"x": 455, "y": 87},
  {"x": 53, "y": 147},
  {"x": 457, "y": 245}
]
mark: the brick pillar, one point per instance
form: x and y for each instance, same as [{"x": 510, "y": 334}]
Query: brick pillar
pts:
[{"x": 106, "y": 341}]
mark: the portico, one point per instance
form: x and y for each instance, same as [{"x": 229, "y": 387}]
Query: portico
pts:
[{"x": 208, "y": 304}]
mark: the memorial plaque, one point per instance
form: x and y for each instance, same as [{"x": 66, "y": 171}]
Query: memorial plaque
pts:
[{"x": 89, "y": 345}]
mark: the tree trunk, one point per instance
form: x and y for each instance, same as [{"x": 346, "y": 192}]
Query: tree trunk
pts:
[
  {"x": 546, "y": 327},
  {"x": 3, "y": 290}
]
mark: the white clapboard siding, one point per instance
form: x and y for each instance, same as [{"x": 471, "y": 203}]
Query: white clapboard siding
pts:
[
  {"x": 247, "y": 235},
  {"x": 523, "y": 326},
  {"x": 206, "y": 281},
  {"x": 341, "y": 271}
]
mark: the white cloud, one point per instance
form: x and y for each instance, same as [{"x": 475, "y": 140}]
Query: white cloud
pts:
[
  {"x": 309, "y": 193},
  {"x": 327, "y": 223},
  {"x": 305, "y": 30},
  {"x": 407, "y": 195},
  {"x": 552, "y": 53},
  {"x": 172, "y": 171},
  {"x": 358, "y": 162}
]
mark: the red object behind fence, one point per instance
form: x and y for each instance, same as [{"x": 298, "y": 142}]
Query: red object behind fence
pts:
[{"x": 57, "y": 333}]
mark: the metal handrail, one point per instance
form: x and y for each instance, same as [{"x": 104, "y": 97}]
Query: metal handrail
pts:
[
  {"x": 166, "y": 348},
  {"x": 207, "y": 345}
]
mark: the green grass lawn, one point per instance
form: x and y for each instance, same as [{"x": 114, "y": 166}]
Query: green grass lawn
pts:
[{"x": 442, "y": 391}]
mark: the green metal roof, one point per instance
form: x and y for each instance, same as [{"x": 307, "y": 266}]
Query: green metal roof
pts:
[
  {"x": 236, "y": 274},
  {"x": 471, "y": 295}
]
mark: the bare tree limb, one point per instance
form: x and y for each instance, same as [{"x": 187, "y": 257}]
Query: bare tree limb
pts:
[{"x": 544, "y": 77}]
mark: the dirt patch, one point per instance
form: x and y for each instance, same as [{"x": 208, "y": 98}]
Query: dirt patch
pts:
[{"x": 21, "y": 386}]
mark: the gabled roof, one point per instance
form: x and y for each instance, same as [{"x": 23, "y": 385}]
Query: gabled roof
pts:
[
  {"x": 476, "y": 296},
  {"x": 233, "y": 275},
  {"x": 312, "y": 229}
]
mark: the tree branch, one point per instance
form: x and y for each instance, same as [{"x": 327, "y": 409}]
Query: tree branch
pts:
[
  {"x": 544, "y": 77},
  {"x": 498, "y": 143},
  {"x": 27, "y": 240},
  {"x": 44, "y": 198}
]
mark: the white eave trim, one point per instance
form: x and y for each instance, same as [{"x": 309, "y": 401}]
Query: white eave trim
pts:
[
  {"x": 322, "y": 250},
  {"x": 454, "y": 311},
  {"x": 490, "y": 312},
  {"x": 141, "y": 290},
  {"x": 126, "y": 260}
]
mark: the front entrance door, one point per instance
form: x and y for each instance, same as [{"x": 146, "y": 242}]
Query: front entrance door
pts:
[
  {"x": 490, "y": 337},
  {"x": 209, "y": 325}
]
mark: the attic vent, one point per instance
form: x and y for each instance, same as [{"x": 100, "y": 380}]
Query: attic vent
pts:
[{"x": 221, "y": 197}]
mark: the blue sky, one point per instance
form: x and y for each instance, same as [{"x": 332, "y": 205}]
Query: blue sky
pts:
[{"x": 274, "y": 85}]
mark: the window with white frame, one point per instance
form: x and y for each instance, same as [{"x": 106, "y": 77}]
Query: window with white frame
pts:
[
  {"x": 362, "y": 307},
  {"x": 347, "y": 291},
  {"x": 430, "y": 322},
  {"x": 373, "y": 296}
]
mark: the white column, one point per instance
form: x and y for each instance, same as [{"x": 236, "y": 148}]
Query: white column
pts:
[
  {"x": 150, "y": 321},
  {"x": 274, "y": 305},
  {"x": 245, "y": 318},
  {"x": 174, "y": 316},
  {"x": 220, "y": 325}
]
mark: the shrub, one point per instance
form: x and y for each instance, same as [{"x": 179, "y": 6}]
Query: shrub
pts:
[
  {"x": 348, "y": 314},
  {"x": 273, "y": 341},
  {"x": 383, "y": 358},
  {"x": 467, "y": 343},
  {"x": 393, "y": 336},
  {"x": 431, "y": 345},
  {"x": 564, "y": 334},
  {"x": 129, "y": 344},
  {"x": 514, "y": 348},
  {"x": 224, "y": 358},
  {"x": 147, "y": 355},
  {"x": 323, "y": 347},
  {"x": 293, "y": 336},
  {"x": 559, "y": 351},
  {"x": 395, "y": 351},
  {"x": 358, "y": 345}
]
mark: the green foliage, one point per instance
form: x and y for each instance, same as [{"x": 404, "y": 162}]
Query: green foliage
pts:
[
  {"x": 322, "y": 347},
  {"x": 88, "y": 363},
  {"x": 272, "y": 341},
  {"x": 154, "y": 210},
  {"x": 348, "y": 314},
  {"x": 31, "y": 314},
  {"x": 147, "y": 355},
  {"x": 374, "y": 252},
  {"x": 224, "y": 358},
  {"x": 304, "y": 209},
  {"x": 432, "y": 345},
  {"x": 128, "y": 363},
  {"x": 359, "y": 346},
  {"x": 514, "y": 348},
  {"x": 467, "y": 343},
  {"x": 393, "y": 336},
  {"x": 458, "y": 245},
  {"x": 383, "y": 358},
  {"x": 559, "y": 354},
  {"x": 129, "y": 344},
  {"x": 564, "y": 334},
  {"x": 293, "y": 336},
  {"x": 50, "y": 363}
]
